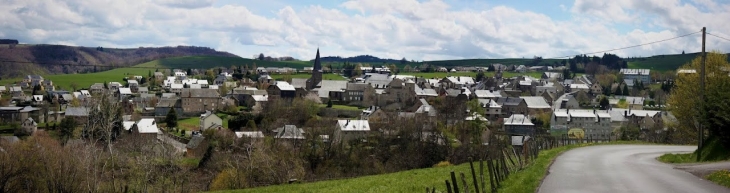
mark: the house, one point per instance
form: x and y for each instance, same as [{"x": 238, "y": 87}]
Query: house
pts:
[
  {"x": 250, "y": 134},
  {"x": 641, "y": 75},
  {"x": 32, "y": 80},
  {"x": 80, "y": 114},
  {"x": 519, "y": 124},
  {"x": 38, "y": 100},
  {"x": 398, "y": 94},
  {"x": 487, "y": 94},
  {"x": 176, "y": 88},
  {"x": 197, "y": 146},
  {"x": 281, "y": 90},
  {"x": 255, "y": 101},
  {"x": 3, "y": 89},
  {"x": 114, "y": 86},
  {"x": 146, "y": 128},
  {"x": 552, "y": 76},
  {"x": 209, "y": 120},
  {"x": 456, "y": 82},
  {"x": 143, "y": 90},
  {"x": 133, "y": 85},
  {"x": 636, "y": 103},
  {"x": 356, "y": 94},
  {"x": 521, "y": 69},
  {"x": 123, "y": 93},
  {"x": 220, "y": 79},
  {"x": 492, "y": 109},
  {"x": 29, "y": 126},
  {"x": 159, "y": 76},
  {"x": 203, "y": 83},
  {"x": 180, "y": 75},
  {"x": 164, "y": 105},
  {"x": 569, "y": 102},
  {"x": 579, "y": 87},
  {"x": 596, "y": 124},
  {"x": 512, "y": 105},
  {"x": 536, "y": 105},
  {"x": 290, "y": 132},
  {"x": 16, "y": 92},
  {"x": 348, "y": 130},
  {"x": 200, "y": 100},
  {"x": 97, "y": 88},
  {"x": 596, "y": 88}
]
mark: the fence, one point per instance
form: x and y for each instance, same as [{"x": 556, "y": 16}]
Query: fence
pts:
[{"x": 502, "y": 159}]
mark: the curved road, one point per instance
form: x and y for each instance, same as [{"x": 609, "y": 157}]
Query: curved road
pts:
[{"x": 622, "y": 168}]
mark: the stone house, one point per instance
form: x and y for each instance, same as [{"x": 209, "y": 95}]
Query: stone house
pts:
[
  {"x": 398, "y": 92},
  {"x": 96, "y": 88},
  {"x": 359, "y": 94},
  {"x": 492, "y": 110},
  {"x": 347, "y": 130},
  {"x": 200, "y": 100},
  {"x": 164, "y": 105},
  {"x": 596, "y": 124},
  {"x": 197, "y": 146},
  {"x": 159, "y": 76},
  {"x": 281, "y": 90},
  {"x": 133, "y": 85},
  {"x": 512, "y": 105},
  {"x": 255, "y": 101},
  {"x": 146, "y": 128},
  {"x": 596, "y": 88}
]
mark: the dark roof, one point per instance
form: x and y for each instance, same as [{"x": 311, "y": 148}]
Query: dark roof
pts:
[
  {"x": 199, "y": 93},
  {"x": 168, "y": 102},
  {"x": 357, "y": 86},
  {"x": 509, "y": 101},
  {"x": 289, "y": 132},
  {"x": 195, "y": 141}
]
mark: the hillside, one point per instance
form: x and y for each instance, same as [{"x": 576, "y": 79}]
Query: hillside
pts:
[
  {"x": 20, "y": 60},
  {"x": 206, "y": 62},
  {"x": 663, "y": 62}
]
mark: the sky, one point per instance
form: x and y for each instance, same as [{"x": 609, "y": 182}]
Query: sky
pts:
[{"x": 411, "y": 29}]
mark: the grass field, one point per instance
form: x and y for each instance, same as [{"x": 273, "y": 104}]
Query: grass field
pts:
[
  {"x": 471, "y": 74},
  {"x": 206, "y": 62},
  {"x": 304, "y": 75},
  {"x": 721, "y": 177},
  {"x": 86, "y": 80},
  {"x": 342, "y": 107}
]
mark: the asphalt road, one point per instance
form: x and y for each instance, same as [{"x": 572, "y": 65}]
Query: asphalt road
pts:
[{"x": 622, "y": 168}]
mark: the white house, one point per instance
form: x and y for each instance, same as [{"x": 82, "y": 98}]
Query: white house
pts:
[
  {"x": 176, "y": 88},
  {"x": 348, "y": 130},
  {"x": 209, "y": 120},
  {"x": 147, "y": 127}
]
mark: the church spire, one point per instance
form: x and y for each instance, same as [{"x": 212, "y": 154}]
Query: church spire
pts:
[{"x": 317, "y": 63}]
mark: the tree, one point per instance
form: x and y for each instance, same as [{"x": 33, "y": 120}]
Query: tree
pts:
[
  {"x": 604, "y": 103},
  {"x": 626, "y": 90},
  {"x": 171, "y": 118},
  {"x": 261, "y": 56},
  {"x": 686, "y": 105},
  {"x": 251, "y": 125},
  {"x": 566, "y": 74},
  {"x": 408, "y": 68},
  {"x": 190, "y": 72},
  {"x": 329, "y": 103},
  {"x": 393, "y": 69},
  {"x": 68, "y": 126},
  {"x": 480, "y": 76}
]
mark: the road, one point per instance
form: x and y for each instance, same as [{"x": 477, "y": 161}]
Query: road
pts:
[{"x": 622, "y": 168}]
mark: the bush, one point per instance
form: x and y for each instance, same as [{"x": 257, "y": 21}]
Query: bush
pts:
[{"x": 442, "y": 164}]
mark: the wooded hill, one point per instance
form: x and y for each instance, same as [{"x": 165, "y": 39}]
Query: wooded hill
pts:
[{"x": 20, "y": 60}]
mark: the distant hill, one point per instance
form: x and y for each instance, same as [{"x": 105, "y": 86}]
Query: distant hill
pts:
[
  {"x": 359, "y": 59},
  {"x": 663, "y": 62},
  {"x": 22, "y": 59},
  {"x": 206, "y": 62}
]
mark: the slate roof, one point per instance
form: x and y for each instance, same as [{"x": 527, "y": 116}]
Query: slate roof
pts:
[
  {"x": 509, "y": 101},
  {"x": 299, "y": 82},
  {"x": 145, "y": 89},
  {"x": 77, "y": 111},
  {"x": 487, "y": 94},
  {"x": 330, "y": 85},
  {"x": 518, "y": 119},
  {"x": 199, "y": 93},
  {"x": 357, "y": 86},
  {"x": 353, "y": 125},
  {"x": 536, "y": 102},
  {"x": 289, "y": 132},
  {"x": 250, "y": 134},
  {"x": 126, "y": 91},
  {"x": 195, "y": 141},
  {"x": 168, "y": 102},
  {"x": 96, "y": 86}
]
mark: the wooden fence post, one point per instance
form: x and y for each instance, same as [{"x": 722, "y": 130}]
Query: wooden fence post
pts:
[
  {"x": 473, "y": 174},
  {"x": 448, "y": 186},
  {"x": 463, "y": 182},
  {"x": 454, "y": 182}
]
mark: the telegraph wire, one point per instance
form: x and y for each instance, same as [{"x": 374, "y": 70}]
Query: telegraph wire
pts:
[{"x": 708, "y": 33}]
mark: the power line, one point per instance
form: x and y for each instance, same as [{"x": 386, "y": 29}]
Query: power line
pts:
[{"x": 708, "y": 33}]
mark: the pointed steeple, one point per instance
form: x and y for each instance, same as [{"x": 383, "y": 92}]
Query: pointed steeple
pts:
[{"x": 317, "y": 63}]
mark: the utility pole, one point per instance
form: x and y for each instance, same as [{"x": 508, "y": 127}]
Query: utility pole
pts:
[{"x": 702, "y": 95}]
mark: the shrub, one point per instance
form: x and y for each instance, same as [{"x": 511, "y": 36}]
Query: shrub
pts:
[{"x": 442, "y": 164}]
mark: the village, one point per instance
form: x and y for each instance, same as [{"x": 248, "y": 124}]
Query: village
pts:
[{"x": 403, "y": 121}]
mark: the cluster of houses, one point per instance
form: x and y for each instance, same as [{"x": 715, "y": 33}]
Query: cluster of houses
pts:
[{"x": 513, "y": 102}]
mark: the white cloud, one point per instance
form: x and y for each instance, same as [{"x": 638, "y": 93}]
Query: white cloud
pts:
[{"x": 421, "y": 30}]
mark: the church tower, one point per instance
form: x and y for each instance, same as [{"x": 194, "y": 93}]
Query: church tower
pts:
[{"x": 316, "y": 78}]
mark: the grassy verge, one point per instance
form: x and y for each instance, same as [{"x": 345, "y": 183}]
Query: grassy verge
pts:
[
  {"x": 527, "y": 180},
  {"x": 721, "y": 177},
  {"x": 711, "y": 152},
  {"x": 341, "y": 107}
]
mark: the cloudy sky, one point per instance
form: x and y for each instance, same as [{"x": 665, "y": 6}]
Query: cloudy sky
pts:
[{"x": 416, "y": 30}]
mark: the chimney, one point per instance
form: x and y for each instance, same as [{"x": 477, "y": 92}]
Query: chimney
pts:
[{"x": 626, "y": 114}]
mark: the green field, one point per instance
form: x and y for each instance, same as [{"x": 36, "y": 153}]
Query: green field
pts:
[
  {"x": 304, "y": 75},
  {"x": 486, "y": 62},
  {"x": 206, "y": 62},
  {"x": 86, "y": 80},
  {"x": 471, "y": 74}
]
